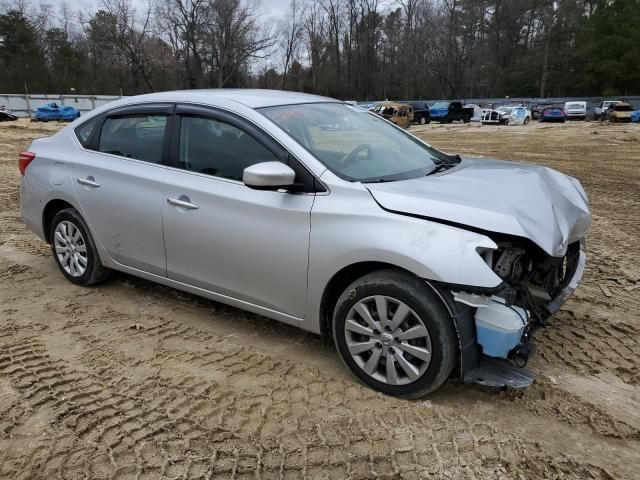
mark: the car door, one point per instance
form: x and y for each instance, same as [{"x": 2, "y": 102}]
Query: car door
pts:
[
  {"x": 220, "y": 235},
  {"x": 119, "y": 185}
]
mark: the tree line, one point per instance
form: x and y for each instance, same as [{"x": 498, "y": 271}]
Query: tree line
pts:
[{"x": 350, "y": 49}]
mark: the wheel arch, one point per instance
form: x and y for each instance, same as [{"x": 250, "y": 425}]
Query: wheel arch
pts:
[
  {"x": 50, "y": 210},
  {"x": 461, "y": 315}
]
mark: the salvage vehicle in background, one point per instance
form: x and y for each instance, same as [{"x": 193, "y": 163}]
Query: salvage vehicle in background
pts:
[
  {"x": 635, "y": 116},
  {"x": 54, "y": 112},
  {"x": 600, "y": 110},
  {"x": 421, "y": 112},
  {"x": 553, "y": 114},
  {"x": 419, "y": 264},
  {"x": 7, "y": 115},
  {"x": 400, "y": 114},
  {"x": 536, "y": 110},
  {"x": 618, "y": 113},
  {"x": 516, "y": 115},
  {"x": 494, "y": 117},
  {"x": 447, "y": 112}
]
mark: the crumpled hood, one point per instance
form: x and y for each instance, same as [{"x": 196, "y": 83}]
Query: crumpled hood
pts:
[{"x": 535, "y": 202}]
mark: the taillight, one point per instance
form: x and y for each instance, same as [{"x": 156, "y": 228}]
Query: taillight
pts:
[{"x": 24, "y": 160}]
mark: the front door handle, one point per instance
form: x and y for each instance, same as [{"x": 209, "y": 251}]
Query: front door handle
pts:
[
  {"x": 182, "y": 202},
  {"x": 89, "y": 182}
]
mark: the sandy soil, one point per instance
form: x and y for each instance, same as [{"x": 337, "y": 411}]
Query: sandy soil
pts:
[{"x": 207, "y": 391}]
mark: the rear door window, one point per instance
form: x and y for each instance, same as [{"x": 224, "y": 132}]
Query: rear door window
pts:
[{"x": 138, "y": 136}]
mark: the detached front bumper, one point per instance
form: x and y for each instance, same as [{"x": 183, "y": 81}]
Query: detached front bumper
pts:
[{"x": 568, "y": 290}]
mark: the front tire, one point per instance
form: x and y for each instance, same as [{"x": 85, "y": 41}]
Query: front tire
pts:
[
  {"x": 74, "y": 250},
  {"x": 394, "y": 334}
]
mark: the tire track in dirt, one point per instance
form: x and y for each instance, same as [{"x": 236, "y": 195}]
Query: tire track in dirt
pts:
[{"x": 130, "y": 420}]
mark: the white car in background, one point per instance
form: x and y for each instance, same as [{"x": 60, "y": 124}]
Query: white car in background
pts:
[
  {"x": 575, "y": 110},
  {"x": 601, "y": 109},
  {"x": 516, "y": 115}
]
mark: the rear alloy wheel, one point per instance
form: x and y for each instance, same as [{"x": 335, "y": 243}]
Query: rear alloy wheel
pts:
[
  {"x": 74, "y": 250},
  {"x": 423, "y": 121},
  {"x": 394, "y": 334}
]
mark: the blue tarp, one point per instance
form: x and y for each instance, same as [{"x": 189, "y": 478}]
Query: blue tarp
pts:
[
  {"x": 52, "y": 111},
  {"x": 635, "y": 116}
]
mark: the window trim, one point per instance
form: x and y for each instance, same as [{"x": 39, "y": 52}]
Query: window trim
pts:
[
  {"x": 311, "y": 184},
  {"x": 167, "y": 109}
]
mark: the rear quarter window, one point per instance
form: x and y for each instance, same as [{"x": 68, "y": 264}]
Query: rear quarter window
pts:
[{"x": 85, "y": 132}]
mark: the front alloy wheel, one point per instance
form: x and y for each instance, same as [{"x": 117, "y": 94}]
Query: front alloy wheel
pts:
[
  {"x": 395, "y": 334},
  {"x": 388, "y": 340}
]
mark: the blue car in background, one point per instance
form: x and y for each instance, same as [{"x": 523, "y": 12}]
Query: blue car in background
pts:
[
  {"x": 635, "y": 116},
  {"x": 553, "y": 114},
  {"x": 53, "y": 111}
]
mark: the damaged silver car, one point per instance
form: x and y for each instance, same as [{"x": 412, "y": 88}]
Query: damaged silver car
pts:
[{"x": 421, "y": 265}]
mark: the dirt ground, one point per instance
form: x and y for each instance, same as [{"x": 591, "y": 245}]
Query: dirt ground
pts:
[{"x": 208, "y": 391}]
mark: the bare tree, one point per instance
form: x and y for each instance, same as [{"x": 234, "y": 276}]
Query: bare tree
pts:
[
  {"x": 234, "y": 37},
  {"x": 290, "y": 37}
]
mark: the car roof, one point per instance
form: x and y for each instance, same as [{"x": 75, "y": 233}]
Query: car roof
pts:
[{"x": 252, "y": 98}]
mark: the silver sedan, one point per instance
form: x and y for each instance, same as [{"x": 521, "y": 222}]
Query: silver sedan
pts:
[{"x": 420, "y": 264}]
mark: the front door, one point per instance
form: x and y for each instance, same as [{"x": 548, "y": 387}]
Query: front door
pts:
[
  {"x": 220, "y": 235},
  {"x": 119, "y": 186}
]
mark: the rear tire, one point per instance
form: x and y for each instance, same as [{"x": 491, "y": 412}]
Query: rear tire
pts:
[
  {"x": 420, "y": 341},
  {"x": 74, "y": 249},
  {"x": 423, "y": 121},
  {"x": 526, "y": 120}
]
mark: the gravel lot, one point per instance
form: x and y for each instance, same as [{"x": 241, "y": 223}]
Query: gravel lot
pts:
[{"x": 208, "y": 391}]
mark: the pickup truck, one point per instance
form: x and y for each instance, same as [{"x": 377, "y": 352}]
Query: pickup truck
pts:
[{"x": 447, "y": 112}]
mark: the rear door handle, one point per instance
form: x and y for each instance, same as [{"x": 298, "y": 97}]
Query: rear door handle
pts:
[
  {"x": 182, "y": 202},
  {"x": 89, "y": 182}
]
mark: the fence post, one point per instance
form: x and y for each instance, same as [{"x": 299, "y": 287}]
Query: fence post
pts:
[{"x": 26, "y": 92}]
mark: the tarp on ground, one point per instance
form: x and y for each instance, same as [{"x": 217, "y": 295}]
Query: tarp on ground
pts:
[{"x": 53, "y": 111}]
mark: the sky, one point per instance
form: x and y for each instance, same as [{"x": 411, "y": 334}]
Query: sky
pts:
[{"x": 270, "y": 8}]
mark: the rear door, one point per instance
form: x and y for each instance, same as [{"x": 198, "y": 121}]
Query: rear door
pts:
[
  {"x": 119, "y": 184},
  {"x": 220, "y": 235}
]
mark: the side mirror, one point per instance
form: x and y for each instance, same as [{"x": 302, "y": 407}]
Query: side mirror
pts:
[{"x": 268, "y": 176}]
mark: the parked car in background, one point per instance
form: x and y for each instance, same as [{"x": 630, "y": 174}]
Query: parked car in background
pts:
[
  {"x": 620, "y": 112},
  {"x": 599, "y": 112},
  {"x": 53, "y": 111},
  {"x": 553, "y": 114},
  {"x": 477, "y": 112},
  {"x": 447, "y": 112},
  {"x": 537, "y": 109},
  {"x": 417, "y": 263},
  {"x": 516, "y": 115},
  {"x": 399, "y": 113},
  {"x": 6, "y": 115},
  {"x": 635, "y": 116},
  {"x": 421, "y": 112},
  {"x": 494, "y": 117},
  {"x": 575, "y": 110}
]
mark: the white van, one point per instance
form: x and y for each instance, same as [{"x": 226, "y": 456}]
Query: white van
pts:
[{"x": 575, "y": 110}]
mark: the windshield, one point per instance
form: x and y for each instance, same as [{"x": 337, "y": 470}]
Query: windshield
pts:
[
  {"x": 441, "y": 105},
  {"x": 362, "y": 147},
  {"x": 506, "y": 110}
]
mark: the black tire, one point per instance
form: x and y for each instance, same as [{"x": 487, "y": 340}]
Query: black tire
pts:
[
  {"x": 427, "y": 306},
  {"x": 95, "y": 272},
  {"x": 466, "y": 119},
  {"x": 526, "y": 120}
]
